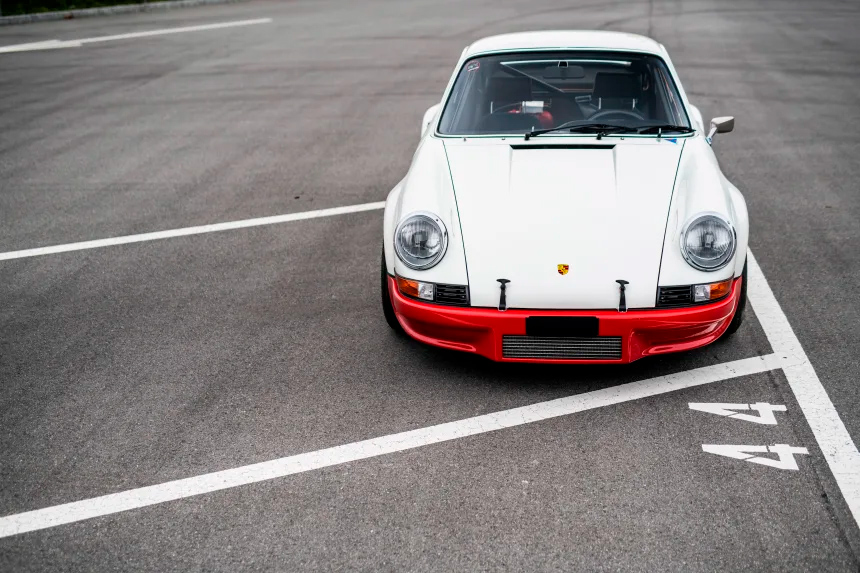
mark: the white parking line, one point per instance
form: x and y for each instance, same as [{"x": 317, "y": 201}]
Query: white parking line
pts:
[
  {"x": 179, "y": 489},
  {"x": 827, "y": 427},
  {"x": 181, "y": 30},
  {"x": 98, "y": 243},
  {"x": 55, "y": 44},
  {"x": 33, "y": 46}
]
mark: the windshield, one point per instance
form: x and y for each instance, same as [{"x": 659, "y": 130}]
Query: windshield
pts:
[{"x": 523, "y": 92}]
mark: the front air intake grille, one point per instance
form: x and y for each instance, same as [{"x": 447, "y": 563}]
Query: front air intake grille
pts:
[
  {"x": 452, "y": 295},
  {"x": 558, "y": 348},
  {"x": 675, "y": 296}
]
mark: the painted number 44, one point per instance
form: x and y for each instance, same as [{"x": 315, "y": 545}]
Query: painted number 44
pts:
[{"x": 765, "y": 415}]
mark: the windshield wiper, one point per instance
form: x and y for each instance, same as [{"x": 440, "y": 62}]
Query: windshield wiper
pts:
[
  {"x": 660, "y": 129},
  {"x": 600, "y": 129},
  {"x": 536, "y": 132}
]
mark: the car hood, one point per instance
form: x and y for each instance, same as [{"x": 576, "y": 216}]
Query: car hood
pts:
[{"x": 598, "y": 208}]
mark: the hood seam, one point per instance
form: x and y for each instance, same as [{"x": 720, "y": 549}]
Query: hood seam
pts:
[
  {"x": 668, "y": 215},
  {"x": 459, "y": 219}
]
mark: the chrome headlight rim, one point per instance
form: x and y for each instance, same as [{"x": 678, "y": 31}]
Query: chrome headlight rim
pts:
[
  {"x": 692, "y": 222},
  {"x": 404, "y": 257}
]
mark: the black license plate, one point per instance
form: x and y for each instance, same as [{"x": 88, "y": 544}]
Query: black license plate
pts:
[{"x": 561, "y": 326}]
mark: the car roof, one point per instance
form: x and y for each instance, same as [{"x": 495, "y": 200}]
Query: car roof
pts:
[{"x": 565, "y": 39}]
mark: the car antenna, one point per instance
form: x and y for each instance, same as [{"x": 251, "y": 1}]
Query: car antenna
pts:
[
  {"x": 503, "y": 303},
  {"x": 622, "y": 304}
]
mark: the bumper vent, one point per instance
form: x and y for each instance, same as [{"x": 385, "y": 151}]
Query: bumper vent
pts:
[
  {"x": 549, "y": 348},
  {"x": 675, "y": 296},
  {"x": 452, "y": 295}
]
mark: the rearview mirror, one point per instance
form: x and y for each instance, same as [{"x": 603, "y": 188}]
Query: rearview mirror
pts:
[
  {"x": 429, "y": 116},
  {"x": 563, "y": 72},
  {"x": 721, "y": 125}
]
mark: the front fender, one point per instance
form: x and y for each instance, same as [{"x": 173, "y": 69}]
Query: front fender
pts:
[
  {"x": 701, "y": 187},
  {"x": 389, "y": 224},
  {"x": 427, "y": 187},
  {"x": 742, "y": 224}
]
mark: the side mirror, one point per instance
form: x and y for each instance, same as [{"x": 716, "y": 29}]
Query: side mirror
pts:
[
  {"x": 720, "y": 125},
  {"x": 429, "y": 116}
]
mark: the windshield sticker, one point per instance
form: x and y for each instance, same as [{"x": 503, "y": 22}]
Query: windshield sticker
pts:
[{"x": 473, "y": 66}]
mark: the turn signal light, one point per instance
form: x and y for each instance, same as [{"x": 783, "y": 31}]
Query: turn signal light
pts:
[
  {"x": 415, "y": 289},
  {"x": 713, "y": 291}
]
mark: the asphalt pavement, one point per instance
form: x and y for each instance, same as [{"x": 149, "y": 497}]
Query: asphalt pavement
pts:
[{"x": 133, "y": 365}]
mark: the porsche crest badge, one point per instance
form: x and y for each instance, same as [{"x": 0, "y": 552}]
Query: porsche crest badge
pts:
[{"x": 562, "y": 269}]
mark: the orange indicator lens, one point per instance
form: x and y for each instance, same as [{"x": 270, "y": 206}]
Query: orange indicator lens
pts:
[
  {"x": 713, "y": 291},
  {"x": 720, "y": 289},
  {"x": 408, "y": 287},
  {"x": 416, "y": 289}
]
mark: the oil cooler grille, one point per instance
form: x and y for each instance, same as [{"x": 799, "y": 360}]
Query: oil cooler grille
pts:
[
  {"x": 670, "y": 296},
  {"x": 558, "y": 348},
  {"x": 452, "y": 295}
]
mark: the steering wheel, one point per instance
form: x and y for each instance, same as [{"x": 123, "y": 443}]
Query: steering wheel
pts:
[{"x": 616, "y": 114}]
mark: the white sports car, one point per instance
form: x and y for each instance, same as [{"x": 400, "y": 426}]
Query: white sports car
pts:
[{"x": 565, "y": 205}]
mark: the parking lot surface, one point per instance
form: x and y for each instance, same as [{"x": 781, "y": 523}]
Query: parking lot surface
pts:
[{"x": 143, "y": 368}]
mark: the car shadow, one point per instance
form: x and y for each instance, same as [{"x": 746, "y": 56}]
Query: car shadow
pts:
[{"x": 567, "y": 379}]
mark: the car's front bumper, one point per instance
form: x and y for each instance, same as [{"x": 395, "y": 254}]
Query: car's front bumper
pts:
[{"x": 643, "y": 332}]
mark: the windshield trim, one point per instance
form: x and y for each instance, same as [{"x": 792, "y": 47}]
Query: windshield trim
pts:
[
  {"x": 569, "y": 60},
  {"x": 671, "y": 76},
  {"x": 521, "y": 135}
]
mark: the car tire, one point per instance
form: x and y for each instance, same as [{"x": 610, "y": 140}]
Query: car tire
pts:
[
  {"x": 738, "y": 318},
  {"x": 387, "y": 307}
]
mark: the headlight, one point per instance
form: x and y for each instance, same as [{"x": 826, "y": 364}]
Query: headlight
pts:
[
  {"x": 420, "y": 240},
  {"x": 708, "y": 242}
]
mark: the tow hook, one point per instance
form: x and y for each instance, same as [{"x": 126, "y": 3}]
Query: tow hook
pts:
[
  {"x": 503, "y": 303},
  {"x": 622, "y": 303}
]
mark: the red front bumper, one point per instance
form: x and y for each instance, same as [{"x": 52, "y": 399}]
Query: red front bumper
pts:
[{"x": 643, "y": 332}]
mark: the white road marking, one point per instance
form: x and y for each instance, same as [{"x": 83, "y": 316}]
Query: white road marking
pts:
[
  {"x": 765, "y": 411},
  {"x": 179, "y": 489},
  {"x": 785, "y": 453},
  {"x": 98, "y": 243},
  {"x": 827, "y": 427},
  {"x": 55, "y": 44},
  {"x": 46, "y": 45}
]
